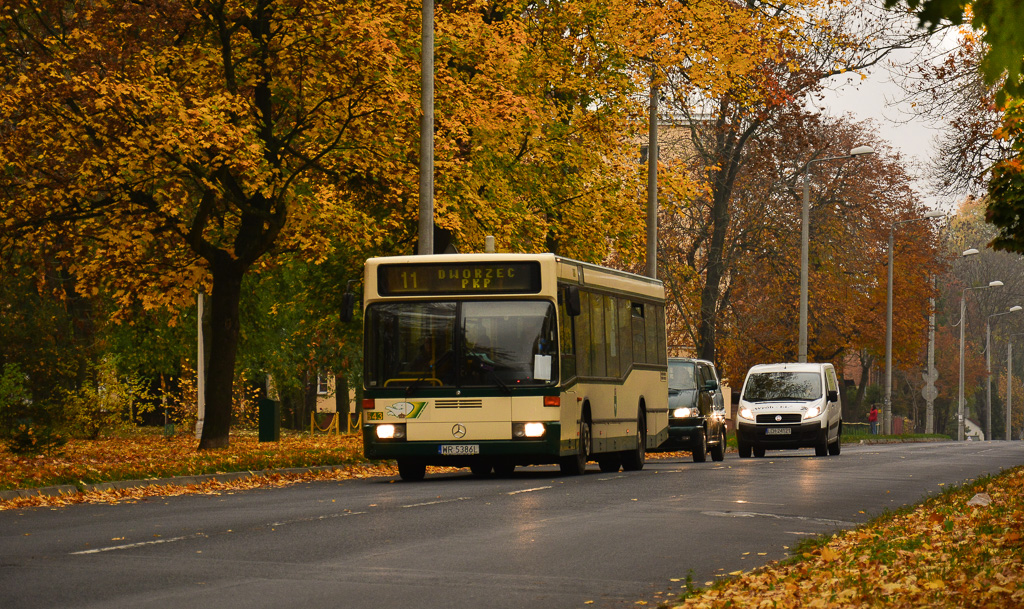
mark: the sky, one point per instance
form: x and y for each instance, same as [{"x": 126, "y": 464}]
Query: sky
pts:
[
  {"x": 881, "y": 100},
  {"x": 878, "y": 98}
]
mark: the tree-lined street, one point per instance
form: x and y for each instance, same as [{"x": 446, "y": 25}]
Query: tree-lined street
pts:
[{"x": 536, "y": 539}]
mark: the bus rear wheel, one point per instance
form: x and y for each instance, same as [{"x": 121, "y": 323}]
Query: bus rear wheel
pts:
[
  {"x": 411, "y": 469},
  {"x": 633, "y": 460}
]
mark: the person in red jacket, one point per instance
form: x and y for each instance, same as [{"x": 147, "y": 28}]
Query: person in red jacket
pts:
[{"x": 873, "y": 419}]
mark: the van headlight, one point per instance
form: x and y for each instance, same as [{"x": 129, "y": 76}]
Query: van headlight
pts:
[
  {"x": 812, "y": 412},
  {"x": 745, "y": 413},
  {"x": 681, "y": 413}
]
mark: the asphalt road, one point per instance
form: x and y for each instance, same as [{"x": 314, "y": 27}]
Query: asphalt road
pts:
[{"x": 536, "y": 540}]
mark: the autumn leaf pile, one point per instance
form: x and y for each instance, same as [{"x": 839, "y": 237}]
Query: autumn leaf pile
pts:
[
  {"x": 964, "y": 548},
  {"x": 82, "y": 462}
]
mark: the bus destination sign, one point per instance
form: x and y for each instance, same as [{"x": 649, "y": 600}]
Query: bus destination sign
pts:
[{"x": 459, "y": 278}]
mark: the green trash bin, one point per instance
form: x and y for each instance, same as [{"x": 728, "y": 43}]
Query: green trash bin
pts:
[{"x": 270, "y": 420}]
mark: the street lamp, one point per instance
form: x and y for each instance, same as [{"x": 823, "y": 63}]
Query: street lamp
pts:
[
  {"x": 805, "y": 238},
  {"x": 988, "y": 368},
  {"x": 887, "y": 407},
  {"x": 960, "y": 392}
]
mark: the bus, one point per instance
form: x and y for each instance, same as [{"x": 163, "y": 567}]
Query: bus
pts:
[{"x": 491, "y": 361}]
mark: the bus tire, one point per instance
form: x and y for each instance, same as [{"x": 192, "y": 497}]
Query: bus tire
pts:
[
  {"x": 481, "y": 469},
  {"x": 609, "y": 462},
  {"x": 633, "y": 460},
  {"x": 504, "y": 468},
  {"x": 411, "y": 469},
  {"x": 574, "y": 465}
]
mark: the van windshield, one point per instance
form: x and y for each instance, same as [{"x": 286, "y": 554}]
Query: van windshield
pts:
[
  {"x": 681, "y": 376},
  {"x": 779, "y": 386}
]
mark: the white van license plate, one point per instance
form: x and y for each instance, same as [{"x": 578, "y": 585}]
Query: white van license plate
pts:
[
  {"x": 459, "y": 449},
  {"x": 778, "y": 431}
]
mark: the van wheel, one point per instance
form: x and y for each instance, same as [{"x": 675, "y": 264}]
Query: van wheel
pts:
[
  {"x": 759, "y": 452},
  {"x": 835, "y": 447},
  {"x": 718, "y": 450},
  {"x": 744, "y": 449},
  {"x": 821, "y": 448},
  {"x": 700, "y": 447}
]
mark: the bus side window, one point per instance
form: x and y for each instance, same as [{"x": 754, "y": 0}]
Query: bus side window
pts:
[
  {"x": 567, "y": 345},
  {"x": 597, "y": 346},
  {"x": 625, "y": 335},
  {"x": 651, "y": 325},
  {"x": 583, "y": 367},
  {"x": 611, "y": 336},
  {"x": 639, "y": 333}
]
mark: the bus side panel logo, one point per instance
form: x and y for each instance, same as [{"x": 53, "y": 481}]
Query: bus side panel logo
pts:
[
  {"x": 459, "y": 430},
  {"x": 405, "y": 410}
]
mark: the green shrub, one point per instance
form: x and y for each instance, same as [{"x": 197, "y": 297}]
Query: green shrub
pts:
[
  {"x": 29, "y": 439},
  {"x": 110, "y": 404},
  {"x": 15, "y": 398}
]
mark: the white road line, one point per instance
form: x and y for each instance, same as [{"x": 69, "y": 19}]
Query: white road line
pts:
[
  {"x": 438, "y": 502},
  {"x": 137, "y": 545},
  {"x": 529, "y": 490}
]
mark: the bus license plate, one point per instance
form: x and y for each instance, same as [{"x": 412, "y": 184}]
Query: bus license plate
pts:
[
  {"x": 778, "y": 431},
  {"x": 459, "y": 449}
]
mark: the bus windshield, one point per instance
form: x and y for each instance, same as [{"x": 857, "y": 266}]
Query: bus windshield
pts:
[
  {"x": 782, "y": 386},
  {"x": 461, "y": 344}
]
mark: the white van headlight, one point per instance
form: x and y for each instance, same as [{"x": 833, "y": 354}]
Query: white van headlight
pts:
[
  {"x": 813, "y": 411},
  {"x": 745, "y": 413}
]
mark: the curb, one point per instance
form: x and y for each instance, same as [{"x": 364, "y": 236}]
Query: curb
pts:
[{"x": 70, "y": 489}]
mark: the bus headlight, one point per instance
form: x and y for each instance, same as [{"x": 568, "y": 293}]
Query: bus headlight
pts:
[
  {"x": 746, "y": 414},
  {"x": 681, "y": 413},
  {"x": 528, "y": 430},
  {"x": 387, "y": 431}
]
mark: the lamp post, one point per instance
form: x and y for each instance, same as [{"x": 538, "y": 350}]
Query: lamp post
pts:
[
  {"x": 988, "y": 369},
  {"x": 960, "y": 391},
  {"x": 805, "y": 238},
  {"x": 887, "y": 406}
]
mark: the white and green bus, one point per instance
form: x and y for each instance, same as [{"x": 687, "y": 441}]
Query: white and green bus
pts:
[{"x": 490, "y": 361}]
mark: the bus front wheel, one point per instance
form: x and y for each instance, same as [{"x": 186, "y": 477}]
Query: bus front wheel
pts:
[
  {"x": 574, "y": 465},
  {"x": 411, "y": 469}
]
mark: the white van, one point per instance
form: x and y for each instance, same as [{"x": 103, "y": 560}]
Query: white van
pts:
[{"x": 789, "y": 406}]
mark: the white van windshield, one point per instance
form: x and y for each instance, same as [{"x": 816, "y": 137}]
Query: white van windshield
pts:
[{"x": 779, "y": 386}]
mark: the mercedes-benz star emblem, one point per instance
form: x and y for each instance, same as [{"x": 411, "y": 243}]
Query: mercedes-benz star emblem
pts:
[
  {"x": 459, "y": 430},
  {"x": 778, "y": 417}
]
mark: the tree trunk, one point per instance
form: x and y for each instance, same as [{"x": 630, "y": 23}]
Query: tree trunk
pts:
[{"x": 223, "y": 337}]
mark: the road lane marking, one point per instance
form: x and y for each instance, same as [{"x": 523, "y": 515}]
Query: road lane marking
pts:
[
  {"x": 828, "y": 521},
  {"x": 529, "y": 490},
  {"x": 140, "y": 544},
  {"x": 130, "y": 546},
  {"x": 438, "y": 502}
]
